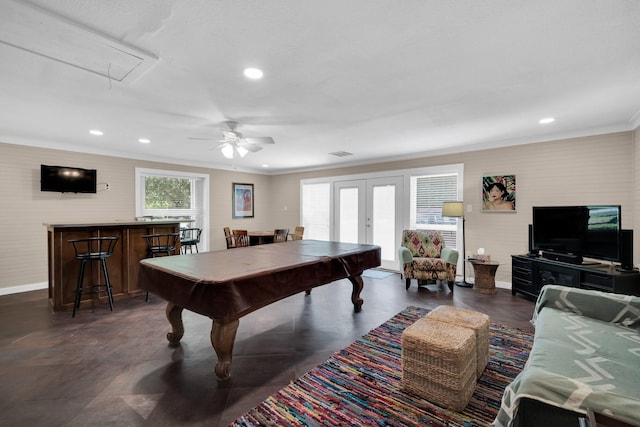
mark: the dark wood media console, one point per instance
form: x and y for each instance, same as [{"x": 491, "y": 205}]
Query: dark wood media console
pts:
[{"x": 530, "y": 274}]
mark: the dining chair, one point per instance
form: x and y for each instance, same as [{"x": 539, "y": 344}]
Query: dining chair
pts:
[
  {"x": 280, "y": 235},
  {"x": 241, "y": 238},
  {"x": 229, "y": 238},
  {"x": 297, "y": 234}
]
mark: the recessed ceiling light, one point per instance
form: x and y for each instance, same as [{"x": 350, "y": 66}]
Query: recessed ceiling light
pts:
[
  {"x": 96, "y": 132},
  {"x": 253, "y": 73},
  {"x": 546, "y": 120},
  {"x": 144, "y": 140},
  {"x": 265, "y": 166}
]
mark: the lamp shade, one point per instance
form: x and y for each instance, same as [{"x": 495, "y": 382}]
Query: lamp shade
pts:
[
  {"x": 453, "y": 209},
  {"x": 227, "y": 151}
]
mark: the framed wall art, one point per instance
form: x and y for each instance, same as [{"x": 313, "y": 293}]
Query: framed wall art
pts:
[
  {"x": 499, "y": 193},
  {"x": 243, "y": 200}
]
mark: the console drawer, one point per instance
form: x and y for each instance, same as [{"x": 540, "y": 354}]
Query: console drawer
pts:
[
  {"x": 522, "y": 269},
  {"x": 597, "y": 281},
  {"x": 525, "y": 264},
  {"x": 519, "y": 283},
  {"x": 521, "y": 273}
]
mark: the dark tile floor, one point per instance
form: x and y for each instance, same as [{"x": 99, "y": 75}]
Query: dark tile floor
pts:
[{"x": 115, "y": 368}]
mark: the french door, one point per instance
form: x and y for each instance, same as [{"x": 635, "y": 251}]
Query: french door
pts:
[{"x": 369, "y": 211}]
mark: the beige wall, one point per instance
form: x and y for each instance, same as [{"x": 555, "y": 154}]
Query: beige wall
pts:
[
  {"x": 25, "y": 208},
  {"x": 591, "y": 170}
]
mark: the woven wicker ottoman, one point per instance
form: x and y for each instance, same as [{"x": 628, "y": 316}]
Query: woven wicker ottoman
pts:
[
  {"x": 479, "y": 322},
  {"x": 439, "y": 362}
]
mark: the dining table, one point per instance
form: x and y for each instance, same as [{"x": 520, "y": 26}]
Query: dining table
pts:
[{"x": 226, "y": 285}]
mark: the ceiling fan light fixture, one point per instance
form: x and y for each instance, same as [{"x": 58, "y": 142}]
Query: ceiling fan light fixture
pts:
[
  {"x": 233, "y": 143},
  {"x": 227, "y": 151},
  {"x": 242, "y": 151}
]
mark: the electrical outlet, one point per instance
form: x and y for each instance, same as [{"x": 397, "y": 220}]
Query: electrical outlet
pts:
[{"x": 107, "y": 186}]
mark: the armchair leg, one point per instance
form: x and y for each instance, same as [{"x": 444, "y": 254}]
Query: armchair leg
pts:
[{"x": 408, "y": 284}]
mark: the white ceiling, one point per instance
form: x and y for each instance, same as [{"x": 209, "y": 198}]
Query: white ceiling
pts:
[{"x": 382, "y": 79}]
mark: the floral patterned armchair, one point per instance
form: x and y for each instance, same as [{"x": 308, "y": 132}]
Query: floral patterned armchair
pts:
[{"x": 423, "y": 256}]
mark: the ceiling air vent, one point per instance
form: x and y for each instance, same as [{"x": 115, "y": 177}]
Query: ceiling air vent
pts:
[{"x": 341, "y": 153}]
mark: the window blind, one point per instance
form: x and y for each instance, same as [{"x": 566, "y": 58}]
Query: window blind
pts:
[
  {"x": 428, "y": 192},
  {"x": 316, "y": 210}
]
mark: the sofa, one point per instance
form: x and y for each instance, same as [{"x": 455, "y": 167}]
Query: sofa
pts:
[
  {"x": 585, "y": 357},
  {"x": 423, "y": 256}
]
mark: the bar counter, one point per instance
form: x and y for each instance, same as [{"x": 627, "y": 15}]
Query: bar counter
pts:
[{"x": 123, "y": 266}]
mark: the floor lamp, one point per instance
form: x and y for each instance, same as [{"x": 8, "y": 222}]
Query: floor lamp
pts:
[{"x": 456, "y": 210}]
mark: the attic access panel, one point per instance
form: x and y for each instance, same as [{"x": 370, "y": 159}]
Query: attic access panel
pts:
[{"x": 42, "y": 32}]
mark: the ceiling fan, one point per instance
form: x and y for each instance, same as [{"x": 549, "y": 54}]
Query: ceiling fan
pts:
[{"x": 234, "y": 143}]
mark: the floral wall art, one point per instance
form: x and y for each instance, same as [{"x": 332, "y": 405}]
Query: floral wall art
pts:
[{"x": 499, "y": 193}]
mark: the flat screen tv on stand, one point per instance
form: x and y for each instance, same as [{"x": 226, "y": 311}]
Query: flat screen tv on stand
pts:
[{"x": 571, "y": 233}]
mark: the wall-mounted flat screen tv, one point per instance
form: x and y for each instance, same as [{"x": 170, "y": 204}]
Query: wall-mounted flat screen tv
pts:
[
  {"x": 587, "y": 231},
  {"x": 66, "y": 179}
]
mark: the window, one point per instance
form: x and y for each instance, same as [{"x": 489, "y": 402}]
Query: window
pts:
[
  {"x": 167, "y": 194},
  {"x": 316, "y": 210},
  {"x": 174, "y": 195},
  {"x": 427, "y": 194}
]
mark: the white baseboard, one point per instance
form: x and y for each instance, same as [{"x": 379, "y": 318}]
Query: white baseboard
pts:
[
  {"x": 503, "y": 285},
  {"x": 24, "y": 288}
]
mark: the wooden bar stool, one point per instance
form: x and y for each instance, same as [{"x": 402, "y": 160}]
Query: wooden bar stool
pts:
[{"x": 91, "y": 250}]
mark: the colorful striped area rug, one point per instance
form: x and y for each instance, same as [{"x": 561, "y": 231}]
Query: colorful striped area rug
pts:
[{"x": 361, "y": 385}]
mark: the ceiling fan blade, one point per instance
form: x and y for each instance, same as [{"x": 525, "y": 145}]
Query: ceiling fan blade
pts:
[
  {"x": 249, "y": 146},
  {"x": 260, "y": 140},
  {"x": 200, "y": 139},
  {"x": 219, "y": 146}
]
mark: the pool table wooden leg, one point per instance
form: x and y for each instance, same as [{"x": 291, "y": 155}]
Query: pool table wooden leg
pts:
[
  {"x": 223, "y": 336},
  {"x": 358, "y": 284},
  {"x": 174, "y": 315}
]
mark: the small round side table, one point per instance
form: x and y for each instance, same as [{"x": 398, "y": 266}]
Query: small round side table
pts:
[{"x": 485, "y": 276}]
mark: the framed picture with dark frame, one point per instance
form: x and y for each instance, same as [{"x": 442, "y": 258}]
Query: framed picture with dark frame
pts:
[
  {"x": 499, "y": 193},
  {"x": 243, "y": 200}
]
